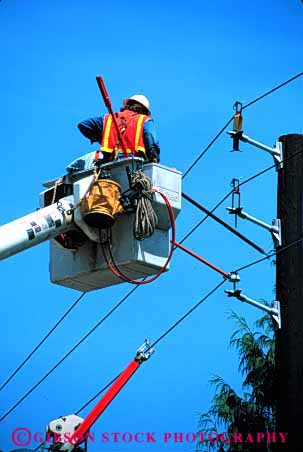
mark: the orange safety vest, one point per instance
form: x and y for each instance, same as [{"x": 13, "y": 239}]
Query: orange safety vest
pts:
[{"x": 131, "y": 126}]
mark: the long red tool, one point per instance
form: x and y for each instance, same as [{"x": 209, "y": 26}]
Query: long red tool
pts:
[
  {"x": 108, "y": 104},
  {"x": 204, "y": 261},
  {"x": 143, "y": 353}
]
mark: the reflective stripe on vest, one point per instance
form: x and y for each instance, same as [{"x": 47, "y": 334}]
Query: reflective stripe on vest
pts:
[{"x": 131, "y": 126}]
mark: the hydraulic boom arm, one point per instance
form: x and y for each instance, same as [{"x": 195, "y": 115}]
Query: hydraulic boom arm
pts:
[{"x": 35, "y": 228}]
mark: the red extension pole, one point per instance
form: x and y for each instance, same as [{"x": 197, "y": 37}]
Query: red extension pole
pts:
[
  {"x": 108, "y": 104},
  {"x": 201, "y": 259},
  {"x": 80, "y": 434}
]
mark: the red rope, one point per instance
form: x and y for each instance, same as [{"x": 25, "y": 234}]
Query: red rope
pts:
[{"x": 117, "y": 272}]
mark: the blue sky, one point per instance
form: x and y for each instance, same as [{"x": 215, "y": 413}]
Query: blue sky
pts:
[{"x": 193, "y": 60}]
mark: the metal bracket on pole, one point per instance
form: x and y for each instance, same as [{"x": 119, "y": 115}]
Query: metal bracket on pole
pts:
[
  {"x": 275, "y": 311},
  {"x": 276, "y": 152},
  {"x": 274, "y": 228}
]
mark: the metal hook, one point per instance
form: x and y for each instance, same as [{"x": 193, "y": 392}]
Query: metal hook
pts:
[
  {"x": 235, "y": 183},
  {"x": 238, "y": 107}
]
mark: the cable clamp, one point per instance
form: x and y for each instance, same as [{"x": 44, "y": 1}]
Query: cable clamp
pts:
[
  {"x": 276, "y": 152},
  {"x": 274, "y": 228},
  {"x": 274, "y": 311},
  {"x": 235, "y": 197},
  {"x": 144, "y": 352},
  {"x": 233, "y": 277}
]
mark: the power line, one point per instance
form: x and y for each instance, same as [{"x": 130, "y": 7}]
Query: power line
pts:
[
  {"x": 273, "y": 90},
  {"x": 206, "y": 216},
  {"x": 67, "y": 355},
  {"x": 260, "y": 173},
  {"x": 274, "y": 253},
  {"x": 160, "y": 338},
  {"x": 208, "y": 147},
  {"x": 249, "y": 104},
  {"x": 20, "y": 366},
  {"x": 223, "y": 223},
  {"x": 97, "y": 395}
]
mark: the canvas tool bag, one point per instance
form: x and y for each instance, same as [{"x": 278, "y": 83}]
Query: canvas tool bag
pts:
[{"x": 101, "y": 206}]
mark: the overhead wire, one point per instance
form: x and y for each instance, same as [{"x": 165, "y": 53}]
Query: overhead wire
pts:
[
  {"x": 276, "y": 88},
  {"x": 160, "y": 338},
  {"x": 223, "y": 223},
  {"x": 36, "y": 348},
  {"x": 41, "y": 380},
  {"x": 201, "y": 155},
  {"x": 274, "y": 253},
  {"x": 96, "y": 395},
  {"x": 190, "y": 311}
]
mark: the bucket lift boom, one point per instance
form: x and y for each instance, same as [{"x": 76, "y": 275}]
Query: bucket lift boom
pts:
[{"x": 35, "y": 228}]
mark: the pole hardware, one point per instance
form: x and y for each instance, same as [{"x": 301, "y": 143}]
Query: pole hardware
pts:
[
  {"x": 276, "y": 152},
  {"x": 234, "y": 278},
  {"x": 274, "y": 311},
  {"x": 144, "y": 352},
  {"x": 237, "y": 126},
  {"x": 274, "y": 228},
  {"x": 226, "y": 225},
  {"x": 235, "y": 197}
]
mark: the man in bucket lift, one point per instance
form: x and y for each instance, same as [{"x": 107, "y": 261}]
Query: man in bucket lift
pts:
[
  {"x": 102, "y": 204},
  {"x": 137, "y": 127}
]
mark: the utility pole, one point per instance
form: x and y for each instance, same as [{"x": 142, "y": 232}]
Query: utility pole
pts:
[{"x": 289, "y": 288}]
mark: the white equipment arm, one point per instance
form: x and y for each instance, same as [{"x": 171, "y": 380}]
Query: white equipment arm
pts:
[{"x": 35, "y": 228}]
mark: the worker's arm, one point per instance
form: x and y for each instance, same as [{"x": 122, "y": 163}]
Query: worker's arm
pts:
[
  {"x": 92, "y": 128},
  {"x": 151, "y": 142}
]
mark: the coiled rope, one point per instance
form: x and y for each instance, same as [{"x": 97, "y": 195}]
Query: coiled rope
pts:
[{"x": 145, "y": 217}]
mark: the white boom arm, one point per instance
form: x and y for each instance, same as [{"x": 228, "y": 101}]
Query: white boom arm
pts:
[{"x": 35, "y": 228}]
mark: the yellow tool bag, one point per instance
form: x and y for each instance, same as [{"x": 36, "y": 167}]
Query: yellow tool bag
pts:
[{"x": 101, "y": 205}]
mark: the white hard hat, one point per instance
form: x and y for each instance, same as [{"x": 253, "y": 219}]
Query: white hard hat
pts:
[{"x": 141, "y": 99}]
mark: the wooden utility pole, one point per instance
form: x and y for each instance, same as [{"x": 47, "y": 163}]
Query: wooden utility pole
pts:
[{"x": 289, "y": 272}]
